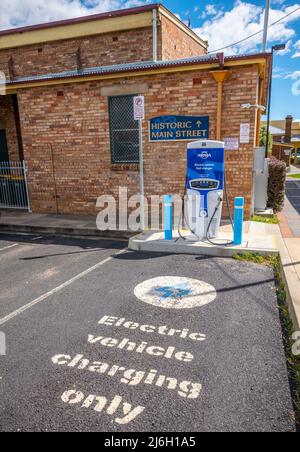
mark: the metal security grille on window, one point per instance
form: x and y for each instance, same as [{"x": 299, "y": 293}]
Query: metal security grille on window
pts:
[{"x": 124, "y": 130}]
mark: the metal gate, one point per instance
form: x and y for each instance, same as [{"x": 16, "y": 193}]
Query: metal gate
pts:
[{"x": 13, "y": 186}]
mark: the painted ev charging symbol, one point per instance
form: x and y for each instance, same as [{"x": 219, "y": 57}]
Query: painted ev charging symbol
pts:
[{"x": 174, "y": 292}]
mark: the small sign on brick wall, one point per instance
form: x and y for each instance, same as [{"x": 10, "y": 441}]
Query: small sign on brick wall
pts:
[
  {"x": 139, "y": 108},
  {"x": 232, "y": 143},
  {"x": 245, "y": 133}
]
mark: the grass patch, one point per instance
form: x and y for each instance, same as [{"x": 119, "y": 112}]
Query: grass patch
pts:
[
  {"x": 256, "y": 258},
  {"x": 294, "y": 176},
  {"x": 293, "y": 362},
  {"x": 268, "y": 220}
]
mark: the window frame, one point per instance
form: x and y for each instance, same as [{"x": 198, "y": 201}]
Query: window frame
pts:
[{"x": 115, "y": 161}]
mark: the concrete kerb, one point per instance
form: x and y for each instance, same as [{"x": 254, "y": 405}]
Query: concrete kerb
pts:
[
  {"x": 292, "y": 284},
  {"x": 61, "y": 231},
  {"x": 153, "y": 241}
]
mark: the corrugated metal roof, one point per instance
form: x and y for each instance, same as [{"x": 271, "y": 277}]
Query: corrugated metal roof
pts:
[
  {"x": 133, "y": 67},
  {"x": 276, "y": 131},
  {"x": 127, "y": 67}
]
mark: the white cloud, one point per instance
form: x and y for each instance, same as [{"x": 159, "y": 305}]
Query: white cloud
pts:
[
  {"x": 296, "y": 88},
  {"x": 279, "y": 72},
  {"x": 287, "y": 50},
  {"x": 243, "y": 20},
  {"x": 17, "y": 13},
  {"x": 286, "y": 75},
  {"x": 297, "y": 48},
  {"x": 210, "y": 10},
  {"x": 293, "y": 75}
]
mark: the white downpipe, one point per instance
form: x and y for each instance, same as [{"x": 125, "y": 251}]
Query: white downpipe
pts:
[{"x": 154, "y": 26}]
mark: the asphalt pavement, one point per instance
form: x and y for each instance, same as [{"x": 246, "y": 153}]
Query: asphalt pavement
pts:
[{"x": 99, "y": 338}]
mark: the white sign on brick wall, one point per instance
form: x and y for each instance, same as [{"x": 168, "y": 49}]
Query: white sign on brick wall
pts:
[
  {"x": 139, "y": 108},
  {"x": 245, "y": 133},
  {"x": 231, "y": 144}
]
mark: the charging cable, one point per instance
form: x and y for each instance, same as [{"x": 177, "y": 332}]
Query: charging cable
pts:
[
  {"x": 182, "y": 215},
  {"x": 228, "y": 242}
]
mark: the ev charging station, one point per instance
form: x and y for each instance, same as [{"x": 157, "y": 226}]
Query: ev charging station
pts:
[{"x": 204, "y": 187}]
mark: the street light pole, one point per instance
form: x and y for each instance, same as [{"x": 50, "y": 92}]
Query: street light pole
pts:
[{"x": 276, "y": 48}]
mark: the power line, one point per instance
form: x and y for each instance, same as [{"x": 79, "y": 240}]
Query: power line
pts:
[{"x": 257, "y": 33}]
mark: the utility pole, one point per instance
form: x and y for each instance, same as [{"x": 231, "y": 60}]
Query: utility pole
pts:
[{"x": 266, "y": 26}]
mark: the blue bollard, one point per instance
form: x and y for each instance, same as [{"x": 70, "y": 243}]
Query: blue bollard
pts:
[
  {"x": 238, "y": 220},
  {"x": 168, "y": 217}
]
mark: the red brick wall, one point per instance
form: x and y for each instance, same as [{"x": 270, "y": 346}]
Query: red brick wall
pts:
[
  {"x": 101, "y": 50},
  {"x": 239, "y": 164},
  {"x": 7, "y": 118},
  {"x": 175, "y": 43},
  {"x": 283, "y": 152},
  {"x": 76, "y": 125},
  {"x": 107, "y": 49}
]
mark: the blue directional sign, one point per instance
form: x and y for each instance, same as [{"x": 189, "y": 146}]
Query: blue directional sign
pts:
[{"x": 179, "y": 128}]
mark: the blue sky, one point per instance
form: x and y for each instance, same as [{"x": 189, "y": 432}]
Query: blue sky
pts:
[
  {"x": 222, "y": 23},
  {"x": 207, "y": 15}
]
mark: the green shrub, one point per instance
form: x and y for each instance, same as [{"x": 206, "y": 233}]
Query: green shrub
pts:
[
  {"x": 263, "y": 139},
  {"x": 276, "y": 184}
]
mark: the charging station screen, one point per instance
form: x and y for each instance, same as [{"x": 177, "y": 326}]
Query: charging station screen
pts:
[{"x": 206, "y": 165}]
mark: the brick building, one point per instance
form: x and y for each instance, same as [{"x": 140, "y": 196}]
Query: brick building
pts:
[
  {"x": 286, "y": 131},
  {"x": 68, "y": 105}
]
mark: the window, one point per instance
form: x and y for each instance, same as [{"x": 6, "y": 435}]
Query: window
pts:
[{"x": 124, "y": 130}]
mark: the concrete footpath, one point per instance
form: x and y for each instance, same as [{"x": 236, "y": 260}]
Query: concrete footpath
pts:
[
  {"x": 255, "y": 240},
  {"x": 71, "y": 225},
  {"x": 290, "y": 246}
]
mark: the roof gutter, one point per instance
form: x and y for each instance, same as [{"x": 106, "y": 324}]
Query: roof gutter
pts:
[{"x": 134, "y": 69}]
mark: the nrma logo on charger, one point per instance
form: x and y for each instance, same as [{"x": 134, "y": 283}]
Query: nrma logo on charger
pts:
[{"x": 204, "y": 155}]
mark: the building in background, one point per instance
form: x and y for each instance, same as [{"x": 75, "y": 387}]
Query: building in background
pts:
[
  {"x": 68, "y": 111},
  {"x": 286, "y": 131}
]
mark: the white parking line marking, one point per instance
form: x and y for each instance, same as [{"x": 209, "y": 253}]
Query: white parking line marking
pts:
[
  {"x": 18, "y": 244},
  {"x": 57, "y": 289},
  {"x": 10, "y": 246}
]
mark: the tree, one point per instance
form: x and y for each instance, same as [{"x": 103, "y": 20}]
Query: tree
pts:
[{"x": 263, "y": 139}]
